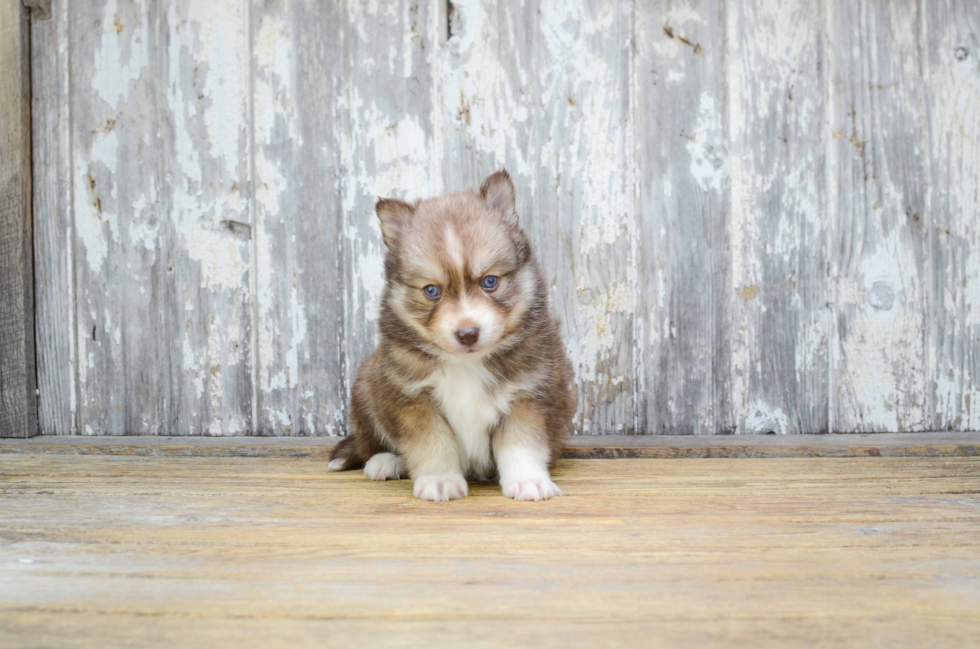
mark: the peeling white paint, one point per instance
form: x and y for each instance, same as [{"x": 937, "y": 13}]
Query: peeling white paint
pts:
[
  {"x": 273, "y": 108},
  {"x": 94, "y": 191},
  {"x": 480, "y": 99},
  {"x": 213, "y": 373},
  {"x": 121, "y": 57},
  {"x": 297, "y": 314},
  {"x": 219, "y": 89},
  {"x": 223, "y": 259},
  {"x": 763, "y": 419},
  {"x": 709, "y": 154},
  {"x": 143, "y": 233},
  {"x": 279, "y": 416},
  {"x": 370, "y": 271},
  {"x": 591, "y": 346},
  {"x": 955, "y": 198},
  {"x": 192, "y": 366}
]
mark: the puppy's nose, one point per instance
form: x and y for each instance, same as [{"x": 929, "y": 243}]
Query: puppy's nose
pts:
[{"x": 468, "y": 336}]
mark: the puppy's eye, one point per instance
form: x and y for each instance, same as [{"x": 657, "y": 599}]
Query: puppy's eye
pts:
[
  {"x": 432, "y": 291},
  {"x": 490, "y": 282}
]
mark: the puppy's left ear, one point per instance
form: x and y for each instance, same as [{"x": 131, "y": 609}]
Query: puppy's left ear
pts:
[
  {"x": 498, "y": 192},
  {"x": 393, "y": 214}
]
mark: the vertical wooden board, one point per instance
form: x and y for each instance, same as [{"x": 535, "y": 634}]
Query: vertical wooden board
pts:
[
  {"x": 158, "y": 142},
  {"x": 18, "y": 408},
  {"x": 54, "y": 287},
  {"x": 115, "y": 182},
  {"x": 544, "y": 89},
  {"x": 878, "y": 179},
  {"x": 297, "y": 72},
  {"x": 204, "y": 123},
  {"x": 387, "y": 142},
  {"x": 488, "y": 105},
  {"x": 779, "y": 136},
  {"x": 950, "y": 32},
  {"x": 683, "y": 344}
]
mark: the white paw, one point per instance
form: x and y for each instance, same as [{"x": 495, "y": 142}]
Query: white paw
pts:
[
  {"x": 535, "y": 489},
  {"x": 336, "y": 465},
  {"x": 447, "y": 486},
  {"x": 384, "y": 466}
]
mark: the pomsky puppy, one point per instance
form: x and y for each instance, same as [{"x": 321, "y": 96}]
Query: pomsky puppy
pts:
[{"x": 471, "y": 378}]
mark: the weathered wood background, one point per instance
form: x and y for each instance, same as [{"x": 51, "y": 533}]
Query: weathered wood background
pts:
[{"x": 754, "y": 215}]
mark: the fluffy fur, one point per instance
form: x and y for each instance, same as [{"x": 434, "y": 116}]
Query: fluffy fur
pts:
[{"x": 472, "y": 383}]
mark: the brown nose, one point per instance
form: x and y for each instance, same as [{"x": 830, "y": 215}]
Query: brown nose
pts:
[{"x": 468, "y": 336}]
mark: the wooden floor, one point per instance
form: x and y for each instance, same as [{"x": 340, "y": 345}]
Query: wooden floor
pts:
[{"x": 130, "y": 551}]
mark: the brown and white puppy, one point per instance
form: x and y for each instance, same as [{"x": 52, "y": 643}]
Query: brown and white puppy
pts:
[{"x": 471, "y": 379}]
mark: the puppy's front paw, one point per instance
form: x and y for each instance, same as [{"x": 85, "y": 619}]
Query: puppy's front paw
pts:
[
  {"x": 535, "y": 489},
  {"x": 384, "y": 466},
  {"x": 447, "y": 486}
]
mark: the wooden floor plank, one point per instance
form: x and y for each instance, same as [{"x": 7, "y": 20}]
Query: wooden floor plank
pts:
[
  {"x": 105, "y": 550},
  {"x": 579, "y": 446}
]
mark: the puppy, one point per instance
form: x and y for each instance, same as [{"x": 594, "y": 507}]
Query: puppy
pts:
[{"x": 471, "y": 379}]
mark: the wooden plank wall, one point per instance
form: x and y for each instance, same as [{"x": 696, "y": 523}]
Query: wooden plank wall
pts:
[
  {"x": 18, "y": 409},
  {"x": 753, "y": 216}
]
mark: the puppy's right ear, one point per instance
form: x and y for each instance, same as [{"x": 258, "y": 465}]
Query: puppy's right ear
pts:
[
  {"x": 498, "y": 192},
  {"x": 393, "y": 214}
]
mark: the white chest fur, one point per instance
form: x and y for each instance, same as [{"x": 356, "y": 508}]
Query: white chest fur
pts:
[{"x": 473, "y": 404}]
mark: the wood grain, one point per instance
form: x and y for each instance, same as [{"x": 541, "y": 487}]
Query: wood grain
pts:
[
  {"x": 54, "y": 285},
  {"x": 684, "y": 335},
  {"x": 298, "y": 183},
  {"x": 950, "y": 41},
  {"x": 18, "y": 404},
  {"x": 879, "y": 247},
  {"x": 210, "y": 552},
  {"x": 204, "y": 218},
  {"x": 117, "y": 158},
  {"x": 781, "y": 323}
]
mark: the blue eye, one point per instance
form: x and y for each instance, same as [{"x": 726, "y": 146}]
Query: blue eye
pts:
[
  {"x": 432, "y": 291},
  {"x": 490, "y": 282}
]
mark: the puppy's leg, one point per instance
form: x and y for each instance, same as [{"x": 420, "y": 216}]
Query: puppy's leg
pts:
[
  {"x": 521, "y": 449},
  {"x": 431, "y": 454},
  {"x": 385, "y": 466}
]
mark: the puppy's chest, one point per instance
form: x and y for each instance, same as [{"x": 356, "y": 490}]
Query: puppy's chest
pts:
[{"x": 472, "y": 403}]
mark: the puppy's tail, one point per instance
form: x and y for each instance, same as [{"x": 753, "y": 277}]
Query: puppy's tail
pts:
[{"x": 344, "y": 456}]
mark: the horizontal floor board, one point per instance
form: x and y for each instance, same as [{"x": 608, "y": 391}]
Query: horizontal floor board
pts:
[{"x": 581, "y": 447}]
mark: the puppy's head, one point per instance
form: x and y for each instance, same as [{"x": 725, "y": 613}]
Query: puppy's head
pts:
[{"x": 458, "y": 268}]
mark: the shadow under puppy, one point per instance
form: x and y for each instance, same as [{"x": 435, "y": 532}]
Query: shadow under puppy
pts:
[{"x": 471, "y": 378}]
